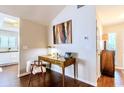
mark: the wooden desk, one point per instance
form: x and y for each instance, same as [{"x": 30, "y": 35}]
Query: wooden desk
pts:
[{"x": 60, "y": 62}]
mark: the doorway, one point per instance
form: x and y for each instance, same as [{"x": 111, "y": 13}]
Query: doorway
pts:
[
  {"x": 111, "y": 22},
  {"x": 9, "y": 42}
]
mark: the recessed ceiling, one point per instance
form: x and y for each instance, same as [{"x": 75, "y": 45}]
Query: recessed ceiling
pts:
[
  {"x": 110, "y": 14},
  {"x": 42, "y": 14}
]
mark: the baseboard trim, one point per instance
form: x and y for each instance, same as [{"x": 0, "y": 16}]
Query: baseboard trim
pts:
[
  {"x": 23, "y": 74},
  {"x": 88, "y": 82},
  {"x": 119, "y": 68}
]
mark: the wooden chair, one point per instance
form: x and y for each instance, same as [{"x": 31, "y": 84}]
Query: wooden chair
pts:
[{"x": 37, "y": 68}]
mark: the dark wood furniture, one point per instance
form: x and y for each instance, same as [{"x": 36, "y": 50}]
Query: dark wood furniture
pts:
[
  {"x": 107, "y": 62},
  {"x": 60, "y": 62}
]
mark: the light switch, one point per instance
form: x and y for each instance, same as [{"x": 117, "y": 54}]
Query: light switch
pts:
[{"x": 86, "y": 37}]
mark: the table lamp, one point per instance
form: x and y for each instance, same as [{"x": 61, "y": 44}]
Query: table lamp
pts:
[
  {"x": 51, "y": 50},
  {"x": 105, "y": 38}
]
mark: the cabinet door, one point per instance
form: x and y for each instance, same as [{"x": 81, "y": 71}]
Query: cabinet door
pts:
[
  {"x": 14, "y": 56},
  {"x": 107, "y": 63},
  {"x": 4, "y": 58},
  {"x": 8, "y": 58}
]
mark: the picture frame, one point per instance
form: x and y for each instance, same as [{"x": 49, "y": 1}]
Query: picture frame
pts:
[{"x": 62, "y": 33}]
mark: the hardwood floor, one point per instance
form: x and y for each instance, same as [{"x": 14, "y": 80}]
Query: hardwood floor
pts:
[
  {"x": 8, "y": 78},
  {"x": 117, "y": 81}
]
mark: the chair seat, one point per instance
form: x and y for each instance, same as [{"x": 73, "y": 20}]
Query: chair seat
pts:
[
  {"x": 29, "y": 63},
  {"x": 38, "y": 69}
]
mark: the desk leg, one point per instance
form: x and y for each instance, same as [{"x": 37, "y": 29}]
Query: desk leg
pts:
[
  {"x": 74, "y": 71},
  {"x": 50, "y": 66},
  {"x": 63, "y": 76}
]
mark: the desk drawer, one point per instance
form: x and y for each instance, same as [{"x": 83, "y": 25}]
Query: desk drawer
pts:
[
  {"x": 69, "y": 62},
  {"x": 52, "y": 61}
]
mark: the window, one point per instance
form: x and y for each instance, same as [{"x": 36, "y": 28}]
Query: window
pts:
[
  {"x": 12, "y": 42},
  {"x": 112, "y": 41},
  {"x": 3, "y": 42},
  {"x": 8, "y": 40}
]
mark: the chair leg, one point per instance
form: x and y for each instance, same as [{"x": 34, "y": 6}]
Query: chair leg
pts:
[
  {"x": 30, "y": 77},
  {"x": 29, "y": 80},
  {"x": 43, "y": 75}
]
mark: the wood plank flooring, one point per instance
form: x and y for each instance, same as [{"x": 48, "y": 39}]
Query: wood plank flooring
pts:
[
  {"x": 117, "y": 81},
  {"x": 8, "y": 78}
]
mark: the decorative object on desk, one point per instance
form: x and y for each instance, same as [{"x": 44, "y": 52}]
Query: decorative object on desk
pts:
[
  {"x": 57, "y": 54},
  {"x": 52, "y": 51},
  {"x": 68, "y": 55},
  {"x": 49, "y": 50},
  {"x": 105, "y": 38},
  {"x": 62, "y": 33}
]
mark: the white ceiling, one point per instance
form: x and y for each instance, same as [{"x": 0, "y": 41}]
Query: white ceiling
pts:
[
  {"x": 110, "y": 14},
  {"x": 42, "y": 14}
]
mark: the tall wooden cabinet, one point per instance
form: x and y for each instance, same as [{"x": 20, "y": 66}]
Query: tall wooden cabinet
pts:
[{"x": 107, "y": 62}]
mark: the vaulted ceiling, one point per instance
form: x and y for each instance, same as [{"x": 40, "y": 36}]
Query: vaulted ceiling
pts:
[
  {"x": 110, "y": 14},
  {"x": 42, "y": 14}
]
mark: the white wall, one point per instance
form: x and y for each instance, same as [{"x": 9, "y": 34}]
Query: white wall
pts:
[
  {"x": 83, "y": 24},
  {"x": 33, "y": 42}
]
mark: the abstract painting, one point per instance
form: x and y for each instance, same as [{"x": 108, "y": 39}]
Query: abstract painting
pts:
[{"x": 62, "y": 33}]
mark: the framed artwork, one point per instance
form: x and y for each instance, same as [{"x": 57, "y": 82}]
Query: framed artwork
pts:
[{"x": 62, "y": 33}]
